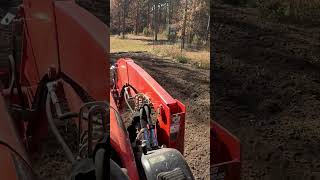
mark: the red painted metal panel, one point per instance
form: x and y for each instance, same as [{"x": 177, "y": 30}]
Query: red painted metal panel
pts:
[
  {"x": 225, "y": 153},
  {"x": 140, "y": 79},
  {"x": 8, "y": 170},
  {"x": 8, "y": 132},
  {"x": 130, "y": 73},
  {"x": 83, "y": 45},
  {"x": 119, "y": 140},
  {"x": 54, "y": 33},
  {"x": 29, "y": 65},
  {"x": 41, "y": 35},
  {"x": 123, "y": 77}
]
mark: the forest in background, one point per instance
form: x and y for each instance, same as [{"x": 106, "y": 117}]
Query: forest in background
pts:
[{"x": 186, "y": 21}]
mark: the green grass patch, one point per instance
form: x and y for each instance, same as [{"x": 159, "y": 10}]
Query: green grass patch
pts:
[
  {"x": 134, "y": 43},
  {"x": 183, "y": 59},
  {"x": 126, "y": 45}
]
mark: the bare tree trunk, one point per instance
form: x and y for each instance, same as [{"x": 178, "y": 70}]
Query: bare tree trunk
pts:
[
  {"x": 168, "y": 21},
  {"x": 137, "y": 19},
  {"x": 193, "y": 23},
  {"x": 155, "y": 20},
  {"x": 165, "y": 13},
  {"x": 148, "y": 16},
  {"x": 160, "y": 16},
  {"x": 123, "y": 18},
  {"x": 169, "y": 9},
  {"x": 184, "y": 25},
  {"x": 208, "y": 29},
  {"x": 119, "y": 23}
]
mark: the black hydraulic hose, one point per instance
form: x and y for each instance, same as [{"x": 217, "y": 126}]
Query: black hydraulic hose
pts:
[
  {"x": 118, "y": 118},
  {"x": 55, "y": 131},
  {"x": 100, "y": 164},
  {"x": 88, "y": 116},
  {"x": 68, "y": 115},
  {"x": 15, "y": 81},
  {"x": 90, "y": 129},
  {"x": 153, "y": 136},
  {"x": 13, "y": 75},
  {"x": 144, "y": 128},
  {"x": 14, "y": 151},
  {"x": 141, "y": 118},
  {"x": 146, "y": 108}
]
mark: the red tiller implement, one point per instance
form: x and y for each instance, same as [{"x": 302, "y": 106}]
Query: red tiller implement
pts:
[
  {"x": 60, "y": 76},
  {"x": 153, "y": 126},
  {"x": 225, "y": 154}
]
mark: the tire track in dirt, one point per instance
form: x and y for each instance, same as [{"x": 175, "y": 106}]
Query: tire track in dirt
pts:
[
  {"x": 267, "y": 92},
  {"x": 190, "y": 86}
]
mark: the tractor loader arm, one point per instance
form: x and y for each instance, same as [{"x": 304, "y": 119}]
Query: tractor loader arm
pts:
[
  {"x": 14, "y": 162},
  {"x": 153, "y": 132},
  {"x": 61, "y": 76}
]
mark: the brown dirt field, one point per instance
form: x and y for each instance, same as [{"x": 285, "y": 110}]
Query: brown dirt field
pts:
[
  {"x": 50, "y": 162},
  {"x": 267, "y": 92},
  {"x": 190, "y": 86}
]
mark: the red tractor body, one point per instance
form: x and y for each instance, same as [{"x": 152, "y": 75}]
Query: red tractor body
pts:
[
  {"x": 225, "y": 154},
  {"x": 59, "y": 40},
  {"x": 169, "y": 113}
]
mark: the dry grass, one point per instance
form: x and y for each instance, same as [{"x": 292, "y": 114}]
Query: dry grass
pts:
[
  {"x": 127, "y": 45},
  {"x": 199, "y": 58}
]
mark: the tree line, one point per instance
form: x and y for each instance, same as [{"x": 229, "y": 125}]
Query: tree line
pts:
[{"x": 185, "y": 20}]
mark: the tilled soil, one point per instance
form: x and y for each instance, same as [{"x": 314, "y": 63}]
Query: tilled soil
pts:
[
  {"x": 190, "y": 86},
  {"x": 50, "y": 162},
  {"x": 267, "y": 92}
]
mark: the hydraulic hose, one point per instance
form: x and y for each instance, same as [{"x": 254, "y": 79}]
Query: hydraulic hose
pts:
[
  {"x": 100, "y": 164},
  {"x": 146, "y": 108},
  {"x": 68, "y": 115},
  {"x": 145, "y": 130},
  {"x": 55, "y": 131},
  {"x": 141, "y": 118},
  {"x": 126, "y": 99},
  {"x": 153, "y": 133}
]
